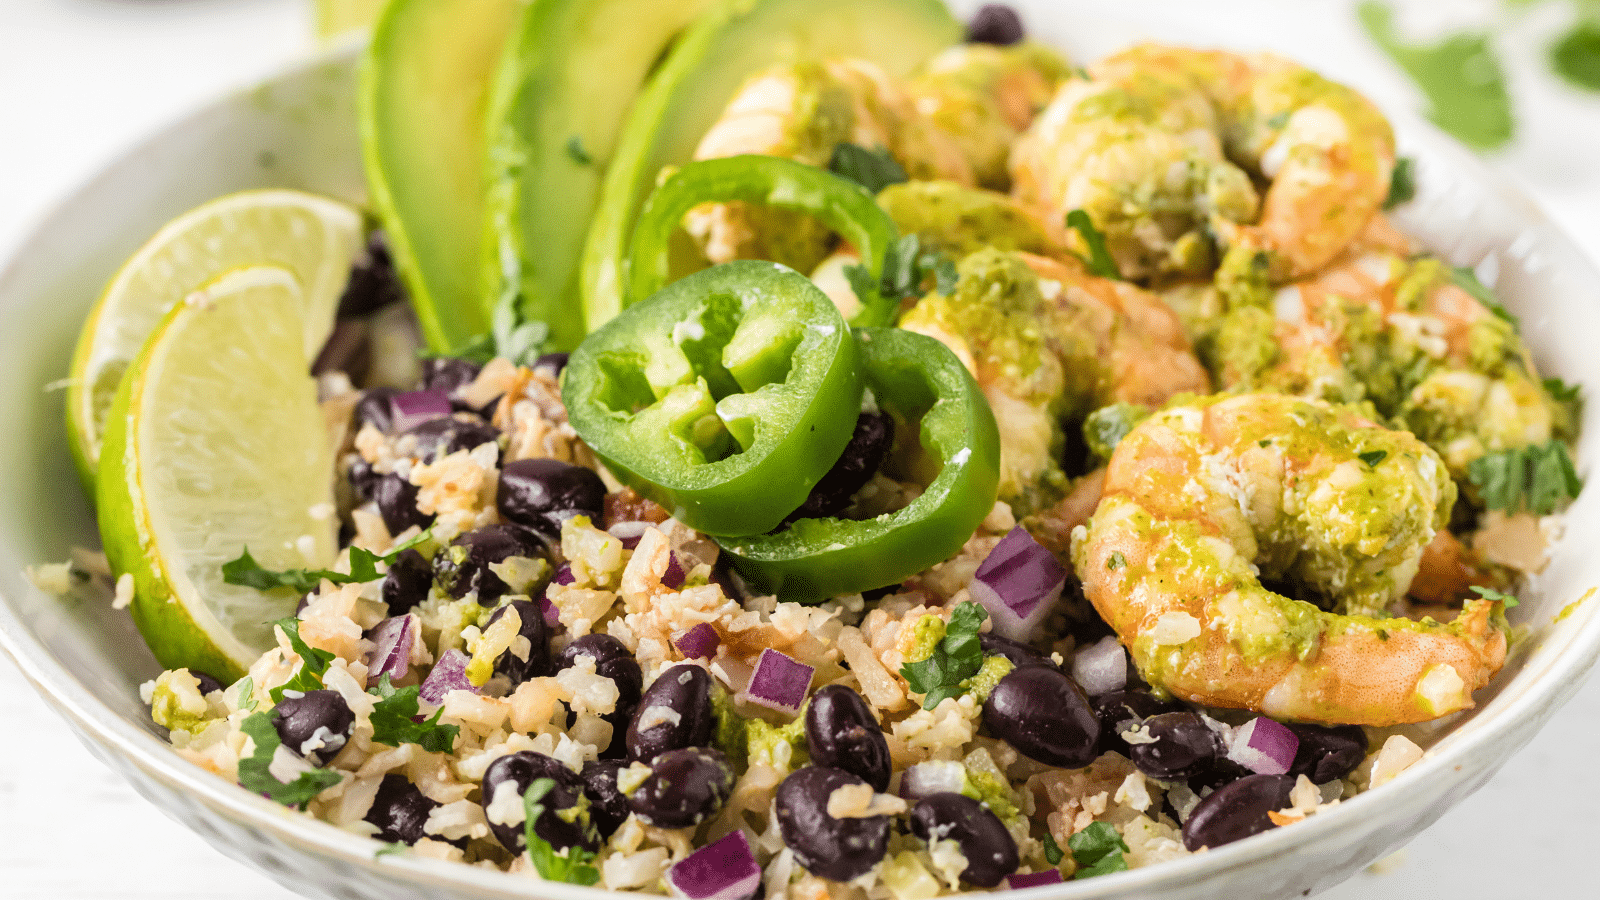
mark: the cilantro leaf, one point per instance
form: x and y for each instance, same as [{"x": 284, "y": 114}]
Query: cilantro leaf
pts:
[
  {"x": 1492, "y": 594},
  {"x": 1460, "y": 74},
  {"x": 246, "y": 572},
  {"x": 872, "y": 169},
  {"x": 1373, "y": 457},
  {"x": 954, "y": 659},
  {"x": 247, "y": 694},
  {"x": 390, "y": 848},
  {"x": 1402, "y": 182},
  {"x": 573, "y": 867},
  {"x": 1467, "y": 280},
  {"x": 577, "y": 152},
  {"x": 1052, "y": 851},
  {"x": 1099, "y": 262},
  {"x": 1575, "y": 56},
  {"x": 1536, "y": 478},
  {"x": 313, "y": 662},
  {"x": 256, "y": 775},
  {"x": 1098, "y": 850},
  {"x": 1562, "y": 392},
  {"x": 906, "y": 266},
  {"x": 393, "y": 721}
]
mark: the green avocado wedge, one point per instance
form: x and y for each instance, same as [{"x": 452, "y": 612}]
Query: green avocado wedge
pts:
[
  {"x": 570, "y": 72},
  {"x": 731, "y": 42},
  {"x": 422, "y": 101}
]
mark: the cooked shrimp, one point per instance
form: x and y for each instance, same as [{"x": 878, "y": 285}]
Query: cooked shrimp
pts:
[
  {"x": 1203, "y": 501},
  {"x": 1155, "y": 147},
  {"x": 1049, "y": 342}
]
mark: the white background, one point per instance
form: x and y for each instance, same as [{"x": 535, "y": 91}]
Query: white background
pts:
[{"x": 82, "y": 79}]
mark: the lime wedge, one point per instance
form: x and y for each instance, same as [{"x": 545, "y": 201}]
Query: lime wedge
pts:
[
  {"x": 215, "y": 442},
  {"x": 335, "y": 17},
  {"x": 315, "y": 239}
]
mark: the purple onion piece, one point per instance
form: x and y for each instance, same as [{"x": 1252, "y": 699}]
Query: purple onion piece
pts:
[
  {"x": 563, "y": 575},
  {"x": 629, "y": 533},
  {"x": 780, "y": 681},
  {"x": 723, "y": 870},
  {"x": 1263, "y": 746},
  {"x": 551, "y": 615},
  {"x": 412, "y": 408},
  {"x": 392, "y": 654},
  {"x": 699, "y": 642},
  {"x": 674, "y": 576},
  {"x": 1101, "y": 667},
  {"x": 449, "y": 674},
  {"x": 1035, "y": 879},
  {"x": 933, "y": 777},
  {"x": 1019, "y": 583}
]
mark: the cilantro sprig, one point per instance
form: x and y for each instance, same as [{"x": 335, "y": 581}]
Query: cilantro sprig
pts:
[
  {"x": 1494, "y": 595},
  {"x": 313, "y": 662},
  {"x": 573, "y": 867},
  {"x": 1099, "y": 262},
  {"x": 905, "y": 267},
  {"x": 955, "y": 658},
  {"x": 1098, "y": 850},
  {"x": 394, "y": 720},
  {"x": 872, "y": 169},
  {"x": 1536, "y": 478},
  {"x": 255, "y": 773},
  {"x": 246, "y": 572}
]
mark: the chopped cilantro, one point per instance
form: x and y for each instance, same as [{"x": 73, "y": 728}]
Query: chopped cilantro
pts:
[
  {"x": 394, "y": 723},
  {"x": 246, "y": 572},
  {"x": 1467, "y": 280},
  {"x": 1536, "y": 478},
  {"x": 255, "y": 773},
  {"x": 905, "y": 267},
  {"x": 390, "y": 848},
  {"x": 247, "y": 694},
  {"x": 1098, "y": 850},
  {"x": 1373, "y": 457},
  {"x": 1099, "y": 262},
  {"x": 1052, "y": 851},
  {"x": 1575, "y": 56},
  {"x": 1492, "y": 594},
  {"x": 572, "y": 868},
  {"x": 872, "y": 169},
  {"x": 954, "y": 659},
  {"x": 313, "y": 662},
  {"x": 576, "y": 151},
  {"x": 1116, "y": 560},
  {"x": 1402, "y": 182},
  {"x": 1562, "y": 392}
]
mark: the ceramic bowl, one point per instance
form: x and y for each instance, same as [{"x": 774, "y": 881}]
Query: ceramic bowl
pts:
[{"x": 298, "y": 130}]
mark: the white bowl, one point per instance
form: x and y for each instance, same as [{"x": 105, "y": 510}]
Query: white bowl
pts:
[{"x": 298, "y": 130}]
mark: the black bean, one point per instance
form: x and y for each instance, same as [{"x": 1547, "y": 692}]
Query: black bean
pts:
[
  {"x": 443, "y": 373},
  {"x": 1222, "y": 771},
  {"x": 1236, "y": 811},
  {"x": 1180, "y": 745},
  {"x": 674, "y": 712},
  {"x": 463, "y": 566},
  {"x": 373, "y": 283},
  {"x": 1117, "y": 708},
  {"x": 374, "y": 408},
  {"x": 207, "y": 683},
  {"x": 407, "y": 582},
  {"x": 522, "y": 769},
  {"x": 611, "y": 660},
  {"x": 314, "y": 725},
  {"x": 533, "y": 628},
  {"x": 551, "y": 364},
  {"x": 842, "y": 734},
  {"x": 1328, "y": 752},
  {"x": 540, "y": 493},
  {"x": 837, "y": 849},
  {"x": 1045, "y": 715},
  {"x": 857, "y": 463},
  {"x": 684, "y": 787},
  {"x": 348, "y": 349},
  {"x": 1020, "y": 654},
  {"x": 990, "y": 851},
  {"x": 607, "y": 807},
  {"x": 399, "y": 810},
  {"x": 363, "y": 481},
  {"x": 995, "y": 23},
  {"x": 444, "y": 436},
  {"x": 397, "y": 503}
]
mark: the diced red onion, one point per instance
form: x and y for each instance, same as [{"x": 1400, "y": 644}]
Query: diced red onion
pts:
[
  {"x": 722, "y": 870},
  {"x": 1101, "y": 667},
  {"x": 699, "y": 642},
  {"x": 780, "y": 681},
  {"x": 449, "y": 674},
  {"x": 933, "y": 777},
  {"x": 629, "y": 533},
  {"x": 674, "y": 576},
  {"x": 415, "y": 407},
  {"x": 392, "y": 654},
  {"x": 1019, "y": 583},
  {"x": 1264, "y": 746},
  {"x": 1035, "y": 879},
  {"x": 548, "y": 611},
  {"x": 564, "y": 575}
]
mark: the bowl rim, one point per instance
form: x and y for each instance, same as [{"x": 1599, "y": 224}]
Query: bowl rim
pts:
[{"x": 1560, "y": 678}]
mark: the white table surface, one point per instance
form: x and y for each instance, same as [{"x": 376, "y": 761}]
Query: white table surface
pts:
[{"x": 81, "y": 79}]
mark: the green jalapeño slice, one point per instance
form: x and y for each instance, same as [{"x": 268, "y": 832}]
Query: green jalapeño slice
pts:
[
  {"x": 919, "y": 382},
  {"x": 724, "y": 397}
]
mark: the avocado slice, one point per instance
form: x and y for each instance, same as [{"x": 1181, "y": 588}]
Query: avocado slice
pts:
[
  {"x": 731, "y": 42},
  {"x": 423, "y": 94},
  {"x": 568, "y": 76}
]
